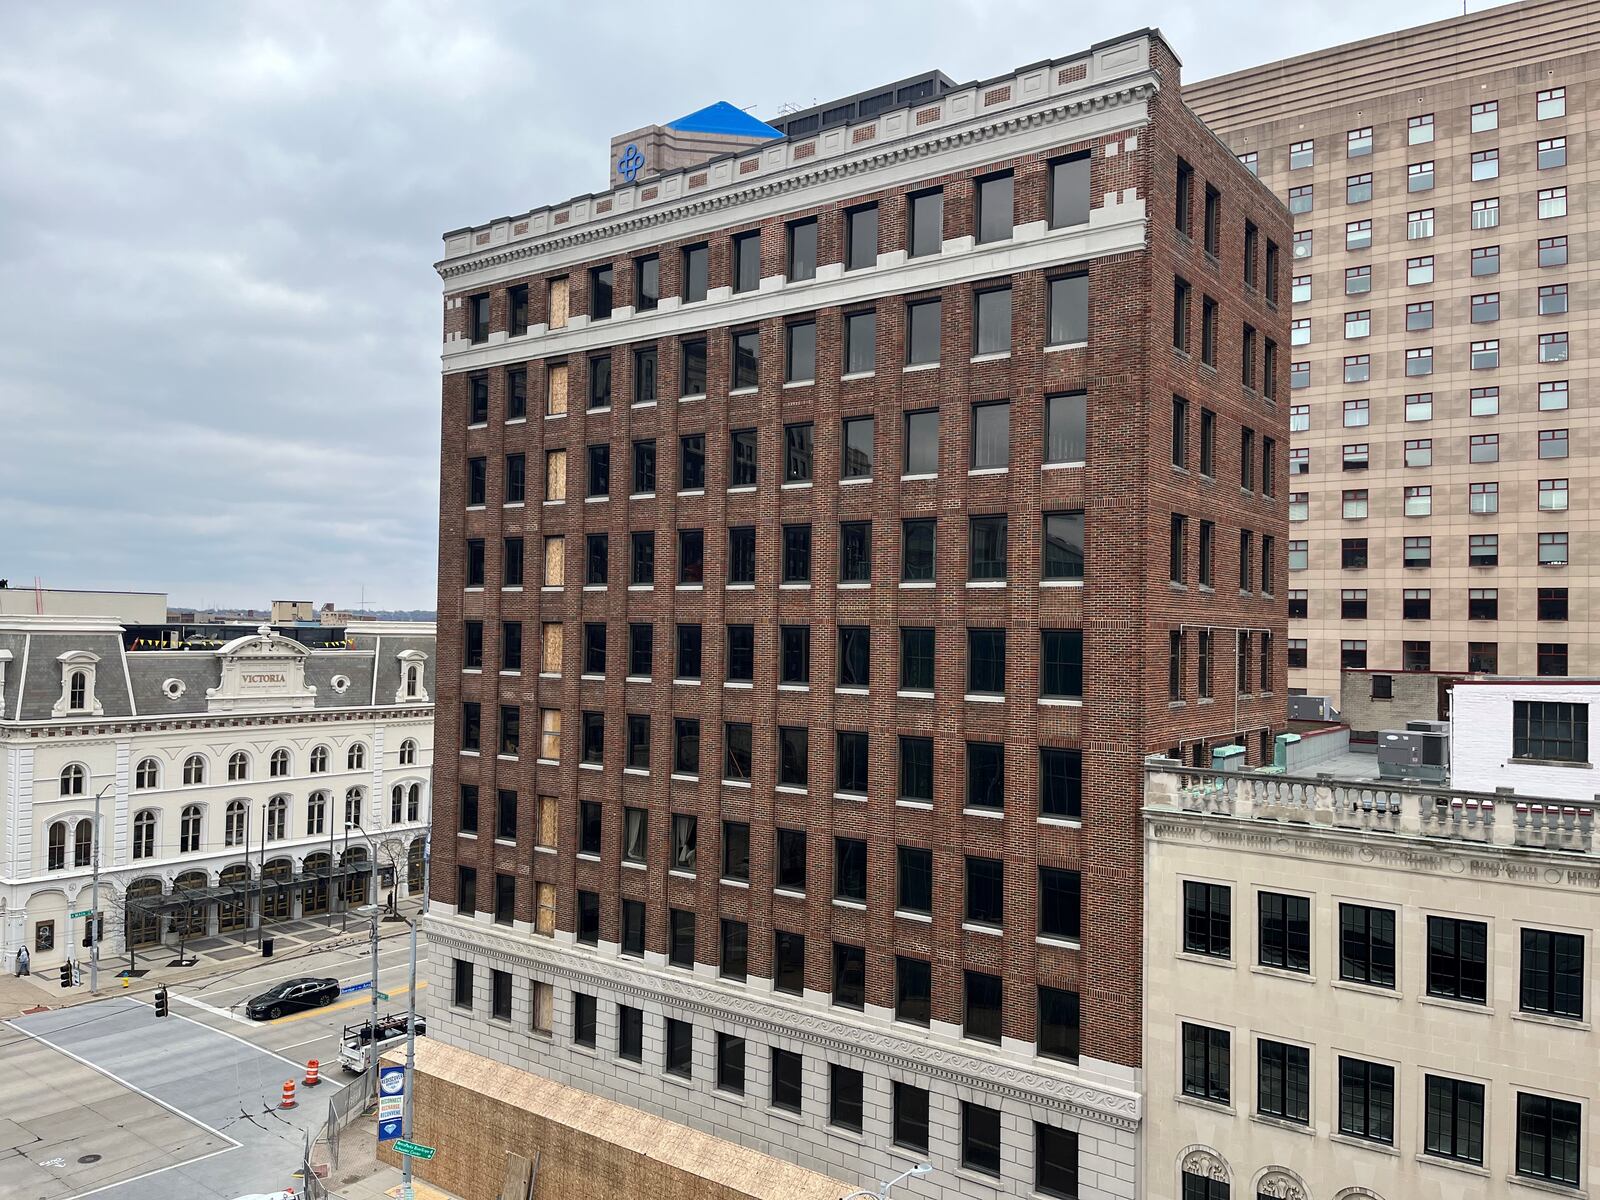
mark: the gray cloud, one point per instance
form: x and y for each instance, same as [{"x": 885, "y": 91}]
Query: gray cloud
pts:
[{"x": 218, "y": 318}]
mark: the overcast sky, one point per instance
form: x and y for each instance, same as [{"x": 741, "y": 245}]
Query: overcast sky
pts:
[{"x": 219, "y": 322}]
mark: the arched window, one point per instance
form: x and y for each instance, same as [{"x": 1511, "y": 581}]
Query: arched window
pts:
[
  {"x": 408, "y": 753},
  {"x": 277, "y": 818},
  {"x": 83, "y": 843},
  {"x": 317, "y": 814},
  {"x": 413, "y": 681},
  {"x": 238, "y": 767},
  {"x": 319, "y": 760},
  {"x": 352, "y": 807},
  {"x": 356, "y": 757},
  {"x": 78, "y": 691},
  {"x": 144, "y": 833},
  {"x": 189, "y": 830},
  {"x": 397, "y": 803},
  {"x": 194, "y": 770},
  {"x": 56, "y": 852},
  {"x": 278, "y": 765},
  {"x": 74, "y": 780},
  {"x": 147, "y": 776},
  {"x": 233, "y": 827},
  {"x": 414, "y": 803}
]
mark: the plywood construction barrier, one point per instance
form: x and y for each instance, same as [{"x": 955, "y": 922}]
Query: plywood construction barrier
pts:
[{"x": 475, "y": 1111}]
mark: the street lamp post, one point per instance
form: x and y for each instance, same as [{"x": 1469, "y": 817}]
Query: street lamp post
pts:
[
  {"x": 94, "y": 897},
  {"x": 373, "y": 911},
  {"x": 411, "y": 1026},
  {"x": 883, "y": 1192}
]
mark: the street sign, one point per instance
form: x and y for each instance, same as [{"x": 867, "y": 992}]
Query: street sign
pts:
[
  {"x": 86, "y": 912},
  {"x": 356, "y": 987},
  {"x": 412, "y": 1150},
  {"x": 384, "y": 996}
]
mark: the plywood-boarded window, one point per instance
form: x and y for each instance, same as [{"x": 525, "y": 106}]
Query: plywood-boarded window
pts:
[
  {"x": 550, "y": 658},
  {"x": 555, "y": 561},
  {"x": 545, "y": 915},
  {"x": 550, "y": 734},
  {"x": 558, "y": 303},
  {"x": 555, "y": 474},
  {"x": 555, "y": 391},
  {"x": 544, "y": 1003},
  {"x": 548, "y": 820}
]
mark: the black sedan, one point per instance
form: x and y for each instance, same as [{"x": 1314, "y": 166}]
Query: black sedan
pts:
[{"x": 290, "y": 996}]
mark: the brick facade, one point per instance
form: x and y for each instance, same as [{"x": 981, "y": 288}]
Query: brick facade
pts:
[{"x": 1127, "y": 489}]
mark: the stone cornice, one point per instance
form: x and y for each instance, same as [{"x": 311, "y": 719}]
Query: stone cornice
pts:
[
  {"x": 831, "y": 1033},
  {"x": 128, "y": 726},
  {"x": 1127, "y": 92}
]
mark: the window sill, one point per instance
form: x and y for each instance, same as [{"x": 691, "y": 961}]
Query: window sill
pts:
[
  {"x": 1061, "y": 583},
  {"x": 1347, "y": 1139},
  {"x": 915, "y": 694},
  {"x": 794, "y": 587},
  {"x": 854, "y": 585},
  {"x": 1283, "y": 973},
  {"x": 794, "y": 687},
  {"x": 681, "y": 778},
  {"x": 799, "y": 383},
  {"x": 849, "y": 691},
  {"x": 641, "y": 587},
  {"x": 740, "y": 587},
  {"x": 552, "y": 587},
  {"x": 636, "y": 679},
  {"x": 855, "y": 480},
  {"x": 681, "y": 874},
  {"x": 983, "y": 698},
  {"x": 544, "y": 849},
  {"x": 587, "y": 856},
  {"x": 1461, "y": 1006},
  {"x": 927, "y": 584},
  {"x": 1540, "y": 1185},
  {"x": 641, "y": 495},
  {"x": 741, "y": 684},
  {"x": 1284, "y": 1124},
  {"x": 510, "y": 672},
  {"x": 1215, "y": 1106},
  {"x": 921, "y": 805},
  {"x": 797, "y": 485},
  {"x": 1204, "y": 959},
  {"x": 986, "y": 583},
  {"x": 643, "y": 404},
  {"x": 915, "y": 476},
  {"x": 857, "y": 375},
  {"x": 645, "y": 771},
  {"x": 986, "y": 930},
  {"x": 629, "y": 864},
  {"x": 856, "y": 797},
  {"x": 992, "y": 356},
  {"x": 692, "y": 492},
  {"x": 588, "y": 766},
  {"x": 988, "y": 470},
  {"x": 685, "y": 683},
  {"x": 1060, "y": 466},
  {"x": 735, "y": 883},
  {"x": 993, "y": 814},
  {"x": 597, "y": 412},
  {"x": 858, "y": 905},
  {"x": 1059, "y": 346},
  {"x": 689, "y": 587},
  {"x": 696, "y": 396},
  {"x": 549, "y": 674},
  {"x": 591, "y": 678},
  {"x": 472, "y": 670},
  {"x": 923, "y": 918},
  {"x": 1061, "y": 943},
  {"x": 788, "y": 789},
  {"x": 906, "y": 370},
  {"x": 1062, "y": 822},
  {"x": 742, "y": 490},
  {"x": 550, "y": 417},
  {"x": 744, "y": 391},
  {"x": 1450, "y": 1164},
  {"x": 1059, "y": 702},
  {"x": 737, "y": 783}
]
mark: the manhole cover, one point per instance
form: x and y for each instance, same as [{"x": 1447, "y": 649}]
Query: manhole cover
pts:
[{"x": 89, "y": 1158}]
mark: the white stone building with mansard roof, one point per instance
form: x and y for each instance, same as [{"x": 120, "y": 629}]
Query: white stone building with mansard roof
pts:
[{"x": 246, "y": 776}]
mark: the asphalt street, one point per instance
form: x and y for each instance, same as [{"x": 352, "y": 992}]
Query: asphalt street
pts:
[{"x": 118, "y": 1103}]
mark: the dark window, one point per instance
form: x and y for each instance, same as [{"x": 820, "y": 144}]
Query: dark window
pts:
[
  {"x": 1283, "y": 1081},
  {"x": 1549, "y": 1139},
  {"x": 630, "y": 1033},
  {"x": 600, "y": 293},
  {"x": 861, "y": 343},
  {"x": 1069, "y": 310},
  {"x": 589, "y": 826},
  {"x": 1065, "y": 428},
  {"x": 980, "y": 1137},
  {"x": 644, "y": 466},
  {"x": 987, "y": 558},
  {"x": 633, "y": 928},
  {"x": 1366, "y": 945},
  {"x": 916, "y": 769},
  {"x": 986, "y": 661},
  {"x": 468, "y": 816},
  {"x": 1063, "y": 545},
  {"x": 639, "y": 740},
  {"x": 922, "y": 443},
  {"x": 505, "y": 814},
  {"x": 914, "y": 879},
  {"x": 477, "y": 399},
  {"x": 1213, "y": 222},
  {"x": 1060, "y": 903},
  {"x": 916, "y": 659},
  {"x": 1551, "y": 731},
  {"x": 478, "y": 317},
  {"x": 467, "y": 890},
  {"x": 850, "y": 869},
  {"x": 510, "y": 729},
  {"x": 794, "y": 654},
  {"x": 910, "y": 1117},
  {"x": 985, "y": 890},
  {"x": 789, "y": 962},
  {"x": 1458, "y": 959},
  {"x": 1366, "y": 1100},
  {"x": 1207, "y": 1067},
  {"x": 594, "y": 649},
  {"x": 791, "y": 857},
  {"x": 1552, "y": 973},
  {"x": 686, "y": 746},
  {"x": 735, "y": 947},
  {"x": 472, "y": 649},
  {"x": 1552, "y": 604},
  {"x": 1285, "y": 933},
  {"x": 693, "y": 375},
  {"x": 1183, "y": 197},
  {"x": 588, "y": 918},
  {"x": 913, "y": 990},
  {"x": 855, "y": 552},
  {"x": 995, "y": 208},
  {"x": 851, "y": 762},
  {"x": 1454, "y": 1125},
  {"x": 516, "y": 394},
  {"x": 688, "y": 664},
  {"x": 844, "y": 1097},
  {"x": 696, "y": 269},
  {"x": 517, "y": 303},
  {"x": 596, "y": 559},
  {"x": 600, "y": 381},
  {"x": 599, "y": 482},
  {"x": 516, "y": 468},
  {"x": 1060, "y": 782},
  {"x": 736, "y": 751},
  {"x": 644, "y": 557},
  {"x": 746, "y": 364},
  {"x": 802, "y": 250},
  {"x": 861, "y": 237},
  {"x": 855, "y": 656},
  {"x": 1059, "y": 1023},
  {"x": 585, "y": 1010},
  {"x": 742, "y": 458},
  {"x": 786, "y": 1080},
  {"x": 1061, "y": 663},
  {"x": 793, "y": 756},
  {"x": 1055, "y": 1161},
  {"x": 680, "y": 1048},
  {"x": 1207, "y": 919},
  {"x": 477, "y": 482},
  {"x": 927, "y": 223},
  {"x": 742, "y": 554},
  {"x": 983, "y": 993},
  {"x": 797, "y": 553},
  {"x": 800, "y": 357},
  {"x": 923, "y": 332},
  {"x": 991, "y": 323},
  {"x": 646, "y": 282},
  {"x": 1069, "y": 191},
  {"x": 986, "y": 775},
  {"x": 798, "y": 452},
  {"x": 849, "y": 976},
  {"x": 461, "y": 997},
  {"x": 747, "y": 261},
  {"x": 917, "y": 557},
  {"x": 692, "y": 461},
  {"x": 691, "y": 556}
]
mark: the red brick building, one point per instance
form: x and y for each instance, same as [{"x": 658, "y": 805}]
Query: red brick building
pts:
[{"x": 827, "y": 532}]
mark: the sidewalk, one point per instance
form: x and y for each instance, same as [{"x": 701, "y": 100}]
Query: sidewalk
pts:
[
  {"x": 214, "y": 956},
  {"x": 362, "y": 1177}
]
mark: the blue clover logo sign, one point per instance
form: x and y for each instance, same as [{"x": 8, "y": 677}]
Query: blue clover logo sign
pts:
[{"x": 631, "y": 163}]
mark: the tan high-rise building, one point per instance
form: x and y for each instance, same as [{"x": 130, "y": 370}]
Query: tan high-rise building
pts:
[{"x": 1441, "y": 407}]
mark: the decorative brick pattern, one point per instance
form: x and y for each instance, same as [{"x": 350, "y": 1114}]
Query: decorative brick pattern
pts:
[
  {"x": 697, "y": 180},
  {"x": 864, "y": 133},
  {"x": 603, "y": 206},
  {"x": 1072, "y": 74},
  {"x": 520, "y": 228},
  {"x": 563, "y": 217},
  {"x": 482, "y": 239},
  {"x": 649, "y": 193},
  {"x": 928, "y": 115},
  {"x": 807, "y": 150},
  {"x": 749, "y": 166},
  {"x": 997, "y": 95}
]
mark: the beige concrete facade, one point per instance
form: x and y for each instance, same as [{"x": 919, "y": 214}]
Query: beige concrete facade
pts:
[
  {"x": 1314, "y": 107},
  {"x": 1397, "y": 850}
]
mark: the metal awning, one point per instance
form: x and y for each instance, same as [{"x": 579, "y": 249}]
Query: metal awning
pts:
[{"x": 188, "y": 899}]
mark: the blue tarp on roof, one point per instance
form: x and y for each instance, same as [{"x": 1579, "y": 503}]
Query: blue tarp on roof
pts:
[{"x": 723, "y": 118}]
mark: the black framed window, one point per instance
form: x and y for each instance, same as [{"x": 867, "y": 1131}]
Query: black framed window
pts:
[
  {"x": 679, "y": 1048},
  {"x": 630, "y": 1033},
  {"x": 917, "y": 554},
  {"x": 910, "y": 1117},
  {"x": 1458, "y": 959},
  {"x": 1366, "y": 945},
  {"x": 601, "y": 292},
  {"x": 991, "y": 321},
  {"x": 585, "y": 1014},
  {"x": 1549, "y": 1139},
  {"x": 639, "y": 741},
  {"x": 736, "y": 751},
  {"x": 913, "y": 990},
  {"x": 633, "y": 928},
  {"x": 980, "y": 1138},
  {"x": 1284, "y": 931},
  {"x": 692, "y": 462},
  {"x": 798, "y": 452},
  {"x": 1066, "y": 428},
  {"x": 850, "y": 755},
  {"x": 1550, "y": 731},
  {"x": 849, "y": 976},
  {"x": 1063, "y": 545},
  {"x": 914, "y": 879},
  {"x": 741, "y": 653},
  {"x": 472, "y": 646},
  {"x": 588, "y": 918},
  {"x": 467, "y": 890},
  {"x": 736, "y": 850},
  {"x": 696, "y": 272},
  {"x": 856, "y": 455},
  {"x": 1060, "y": 782},
  {"x": 1061, "y": 663},
  {"x": 641, "y": 649},
  {"x": 855, "y": 552},
  {"x": 686, "y": 746},
  {"x": 1055, "y": 1161},
  {"x": 1366, "y": 1100},
  {"x": 794, "y": 766},
  {"x": 688, "y": 657},
  {"x": 926, "y": 218},
  {"x": 467, "y": 817},
  {"x": 855, "y": 656},
  {"x": 685, "y": 842},
  {"x": 733, "y": 962},
  {"x": 794, "y": 654},
  {"x": 923, "y": 332},
  {"x": 982, "y": 998},
  {"x": 1068, "y": 310},
  {"x": 1060, "y": 1023},
  {"x": 692, "y": 373},
  {"x": 742, "y": 554},
  {"x": 471, "y": 725},
  {"x": 786, "y": 1075},
  {"x": 589, "y": 826},
  {"x": 790, "y": 873},
  {"x": 916, "y": 658},
  {"x": 850, "y": 869},
  {"x": 1552, "y": 973},
  {"x": 1207, "y": 1063},
  {"x": 1283, "y": 1081},
  {"x": 861, "y": 237},
  {"x": 1453, "y": 1127},
  {"x": 986, "y": 775},
  {"x": 986, "y": 661},
  {"x": 596, "y": 559},
  {"x": 800, "y": 352},
  {"x": 600, "y": 382},
  {"x": 788, "y": 962},
  {"x": 477, "y": 400},
  {"x": 996, "y": 208},
  {"x": 1069, "y": 190},
  {"x": 916, "y": 769},
  {"x": 922, "y": 442},
  {"x": 510, "y": 729},
  {"x": 987, "y": 548},
  {"x": 985, "y": 890},
  {"x": 844, "y": 1097},
  {"x": 802, "y": 246},
  {"x": 1060, "y": 903},
  {"x": 1207, "y": 919},
  {"x": 643, "y": 565},
  {"x": 594, "y": 648},
  {"x": 646, "y": 282},
  {"x": 797, "y": 554},
  {"x": 477, "y": 482},
  {"x": 747, "y": 261},
  {"x": 746, "y": 364}
]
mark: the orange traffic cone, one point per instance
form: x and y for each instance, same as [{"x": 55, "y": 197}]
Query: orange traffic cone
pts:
[
  {"x": 288, "y": 1100},
  {"x": 313, "y": 1073}
]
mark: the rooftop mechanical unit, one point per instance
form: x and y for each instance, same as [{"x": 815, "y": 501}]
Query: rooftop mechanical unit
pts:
[
  {"x": 1311, "y": 708},
  {"x": 1418, "y": 755}
]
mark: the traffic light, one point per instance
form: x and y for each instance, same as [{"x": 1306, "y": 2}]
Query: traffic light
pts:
[
  {"x": 66, "y": 975},
  {"x": 161, "y": 1002}
]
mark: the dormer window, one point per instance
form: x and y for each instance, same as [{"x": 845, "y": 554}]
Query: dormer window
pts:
[
  {"x": 77, "y": 685},
  {"x": 412, "y": 689}
]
